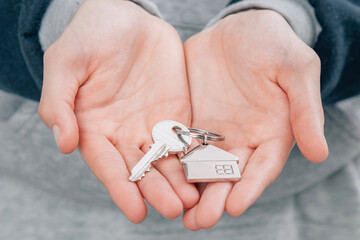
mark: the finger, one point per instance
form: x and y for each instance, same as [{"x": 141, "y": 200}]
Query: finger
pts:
[
  {"x": 56, "y": 108},
  {"x": 189, "y": 214},
  {"x": 212, "y": 204},
  {"x": 154, "y": 187},
  {"x": 173, "y": 171},
  {"x": 109, "y": 167},
  {"x": 263, "y": 167},
  {"x": 244, "y": 154},
  {"x": 213, "y": 200},
  {"x": 306, "y": 112},
  {"x": 189, "y": 219}
]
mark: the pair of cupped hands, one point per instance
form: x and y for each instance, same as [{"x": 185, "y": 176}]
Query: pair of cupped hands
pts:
[{"x": 117, "y": 70}]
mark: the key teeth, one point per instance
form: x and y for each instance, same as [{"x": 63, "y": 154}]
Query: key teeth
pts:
[{"x": 141, "y": 177}]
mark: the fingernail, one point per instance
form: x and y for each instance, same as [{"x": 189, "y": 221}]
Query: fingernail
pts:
[{"x": 56, "y": 131}]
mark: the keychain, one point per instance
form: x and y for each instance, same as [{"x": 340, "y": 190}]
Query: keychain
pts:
[{"x": 207, "y": 163}]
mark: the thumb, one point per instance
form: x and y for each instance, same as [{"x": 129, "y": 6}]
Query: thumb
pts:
[
  {"x": 56, "y": 108},
  {"x": 306, "y": 112}
]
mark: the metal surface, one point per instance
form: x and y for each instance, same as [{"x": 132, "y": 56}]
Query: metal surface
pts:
[
  {"x": 165, "y": 141},
  {"x": 207, "y": 163},
  {"x": 201, "y": 134}
]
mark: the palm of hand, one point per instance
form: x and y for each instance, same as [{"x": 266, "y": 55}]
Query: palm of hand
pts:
[
  {"x": 130, "y": 101},
  {"x": 131, "y": 72},
  {"x": 239, "y": 96},
  {"x": 128, "y": 104},
  {"x": 135, "y": 90},
  {"x": 235, "y": 92}
]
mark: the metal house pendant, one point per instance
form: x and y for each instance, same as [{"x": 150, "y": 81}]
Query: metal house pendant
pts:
[{"x": 207, "y": 163}]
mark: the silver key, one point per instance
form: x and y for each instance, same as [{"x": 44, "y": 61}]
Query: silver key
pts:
[
  {"x": 207, "y": 163},
  {"x": 165, "y": 141}
]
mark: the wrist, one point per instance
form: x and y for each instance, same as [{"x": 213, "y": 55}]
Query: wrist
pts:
[
  {"x": 261, "y": 22},
  {"x": 60, "y": 13},
  {"x": 299, "y": 14}
]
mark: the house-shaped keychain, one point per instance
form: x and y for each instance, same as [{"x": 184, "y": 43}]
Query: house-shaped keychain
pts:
[{"x": 207, "y": 163}]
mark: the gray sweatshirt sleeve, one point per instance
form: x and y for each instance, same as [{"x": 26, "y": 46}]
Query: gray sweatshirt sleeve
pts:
[
  {"x": 60, "y": 12},
  {"x": 298, "y": 13}
]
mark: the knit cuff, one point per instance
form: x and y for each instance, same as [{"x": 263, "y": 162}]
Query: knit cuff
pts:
[
  {"x": 60, "y": 12},
  {"x": 298, "y": 13}
]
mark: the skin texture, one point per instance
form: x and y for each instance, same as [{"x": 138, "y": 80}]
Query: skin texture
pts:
[
  {"x": 250, "y": 78},
  {"x": 104, "y": 92},
  {"x": 254, "y": 81}
]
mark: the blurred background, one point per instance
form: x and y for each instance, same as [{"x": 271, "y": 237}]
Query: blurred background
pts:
[{"x": 47, "y": 195}]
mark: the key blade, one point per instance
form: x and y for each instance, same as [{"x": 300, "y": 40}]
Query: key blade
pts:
[
  {"x": 158, "y": 150},
  {"x": 136, "y": 176}
]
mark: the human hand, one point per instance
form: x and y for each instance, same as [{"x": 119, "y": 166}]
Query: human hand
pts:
[
  {"x": 112, "y": 75},
  {"x": 254, "y": 81}
]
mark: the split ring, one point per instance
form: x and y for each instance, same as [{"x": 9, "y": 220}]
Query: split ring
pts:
[{"x": 201, "y": 134}]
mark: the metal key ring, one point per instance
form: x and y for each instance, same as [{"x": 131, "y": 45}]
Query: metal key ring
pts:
[{"x": 201, "y": 134}]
